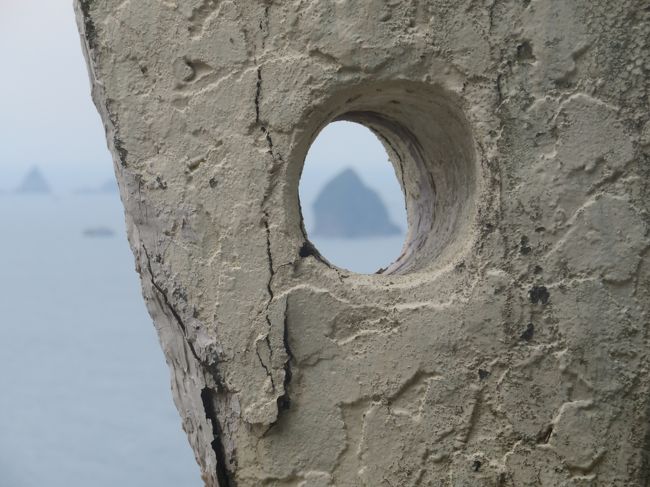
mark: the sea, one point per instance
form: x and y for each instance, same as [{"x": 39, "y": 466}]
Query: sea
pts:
[{"x": 85, "y": 395}]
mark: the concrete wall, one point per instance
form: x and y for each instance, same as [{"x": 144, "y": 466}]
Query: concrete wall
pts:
[{"x": 508, "y": 346}]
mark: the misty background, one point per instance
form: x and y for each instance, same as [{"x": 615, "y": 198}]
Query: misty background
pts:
[{"x": 85, "y": 396}]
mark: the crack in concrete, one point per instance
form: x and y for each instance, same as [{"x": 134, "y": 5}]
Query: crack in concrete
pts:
[
  {"x": 208, "y": 395},
  {"x": 168, "y": 305},
  {"x": 269, "y": 284},
  {"x": 225, "y": 477},
  {"x": 269, "y": 374},
  {"x": 284, "y": 402}
]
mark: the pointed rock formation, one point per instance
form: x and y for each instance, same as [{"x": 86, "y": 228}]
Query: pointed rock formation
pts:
[
  {"x": 34, "y": 182},
  {"x": 347, "y": 208}
]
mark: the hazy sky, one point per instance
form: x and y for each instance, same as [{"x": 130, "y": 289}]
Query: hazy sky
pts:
[{"x": 46, "y": 115}]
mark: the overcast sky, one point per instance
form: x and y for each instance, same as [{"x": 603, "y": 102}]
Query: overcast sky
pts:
[{"x": 46, "y": 115}]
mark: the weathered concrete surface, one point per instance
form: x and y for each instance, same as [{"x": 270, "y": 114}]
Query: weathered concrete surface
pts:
[{"x": 508, "y": 346}]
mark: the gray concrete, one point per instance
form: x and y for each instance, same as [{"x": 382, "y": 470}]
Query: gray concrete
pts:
[{"x": 507, "y": 346}]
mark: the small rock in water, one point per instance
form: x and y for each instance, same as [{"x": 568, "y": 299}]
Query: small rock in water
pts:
[
  {"x": 34, "y": 182},
  {"x": 98, "y": 232}
]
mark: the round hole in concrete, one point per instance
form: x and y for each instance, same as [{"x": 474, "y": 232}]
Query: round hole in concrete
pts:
[
  {"x": 352, "y": 203},
  {"x": 431, "y": 147}
]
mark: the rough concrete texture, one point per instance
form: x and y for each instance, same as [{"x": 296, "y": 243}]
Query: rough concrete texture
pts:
[{"x": 507, "y": 346}]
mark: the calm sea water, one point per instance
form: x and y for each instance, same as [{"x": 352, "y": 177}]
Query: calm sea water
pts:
[{"x": 84, "y": 389}]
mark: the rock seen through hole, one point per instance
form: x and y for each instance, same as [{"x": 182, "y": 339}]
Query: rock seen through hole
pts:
[
  {"x": 422, "y": 147},
  {"x": 351, "y": 200}
]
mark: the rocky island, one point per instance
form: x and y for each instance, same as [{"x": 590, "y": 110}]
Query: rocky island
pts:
[
  {"x": 34, "y": 183},
  {"x": 347, "y": 208}
]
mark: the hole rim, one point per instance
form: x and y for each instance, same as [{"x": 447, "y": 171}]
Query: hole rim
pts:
[{"x": 374, "y": 105}]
